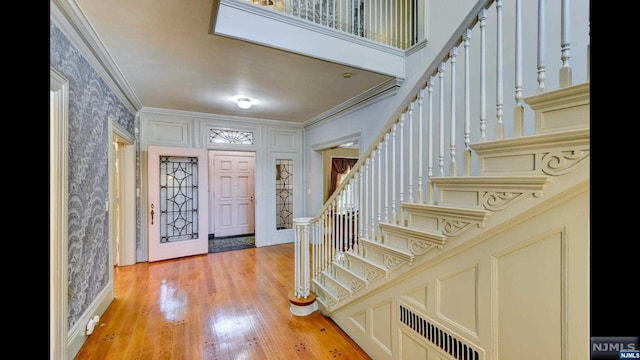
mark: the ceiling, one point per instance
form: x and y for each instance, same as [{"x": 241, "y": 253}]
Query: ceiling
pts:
[{"x": 170, "y": 59}]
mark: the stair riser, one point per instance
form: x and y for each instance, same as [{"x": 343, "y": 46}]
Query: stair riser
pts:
[{"x": 562, "y": 109}]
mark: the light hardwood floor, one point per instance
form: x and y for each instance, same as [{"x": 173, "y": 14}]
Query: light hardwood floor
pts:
[{"x": 228, "y": 305}]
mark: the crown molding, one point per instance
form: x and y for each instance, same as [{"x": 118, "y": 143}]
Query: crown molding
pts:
[
  {"x": 217, "y": 117},
  {"x": 68, "y": 17}
]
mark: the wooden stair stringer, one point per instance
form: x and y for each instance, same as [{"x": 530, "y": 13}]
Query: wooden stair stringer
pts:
[
  {"x": 553, "y": 154},
  {"x": 389, "y": 256},
  {"x": 415, "y": 241},
  {"x": 496, "y": 222},
  {"x": 444, "y": 220},
  {"x": 491, "y": 193},
  {"x": 346, "y": 276}
]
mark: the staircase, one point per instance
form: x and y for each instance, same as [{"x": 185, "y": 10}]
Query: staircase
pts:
[
  {"x": 441, "y": 270},
  {"x": 475, "y": 254},
  {"x": 512, "y": 170}
]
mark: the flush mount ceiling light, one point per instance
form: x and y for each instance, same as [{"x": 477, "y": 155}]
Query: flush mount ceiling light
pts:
[{"x": 243, "y": 103}]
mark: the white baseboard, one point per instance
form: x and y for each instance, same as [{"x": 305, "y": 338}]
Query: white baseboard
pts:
[{"x": 77, "y": 335}]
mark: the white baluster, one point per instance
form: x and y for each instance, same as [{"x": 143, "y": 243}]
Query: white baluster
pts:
[
  {"x": 323, "y": 232},
  {"x": 386, "y": 22},
  {"x": 335, "y": 23},
  {"x": 453, "y": 54},
  {"x": 340, "y": 227},
  {"x": 365, "y": 207},
  {"x": 401, "y": 182},
  {"x": 467, "y": 106},
  {"x": 393, "y": 174},
  {"x": 375, "y": 22},
  {"x": 394, "y": 17},
  {"x": 441, "y": 127},
  {"x": 360, "y": 203},
  {"x": 542, "y": 45},
  {"x": 499, "y": 74},
  {"x": 373, "y": 196},
  {"x": 334, "y": 229},
  {"x": 379, "y": 237},
  {"x": 420, "y": 142},
  {"x": 518, "y": 112},
  {"x": 410, "y": 163},
  {"x": 482, "y": 18},
  {"x": 430, "y": 141},
  {"x": 565, "y": 70},
  {"x": 386, "y": 177}
]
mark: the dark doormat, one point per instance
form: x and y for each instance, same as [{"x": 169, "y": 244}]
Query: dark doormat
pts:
[{"x": 228, "y": 243}]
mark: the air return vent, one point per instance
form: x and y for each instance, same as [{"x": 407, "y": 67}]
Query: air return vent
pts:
[{"x": 445, "y": 341}]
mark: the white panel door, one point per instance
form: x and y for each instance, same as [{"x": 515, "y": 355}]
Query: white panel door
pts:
[
  {"x": 178, "y": 209},
  {"x": 234, "y": 193}
]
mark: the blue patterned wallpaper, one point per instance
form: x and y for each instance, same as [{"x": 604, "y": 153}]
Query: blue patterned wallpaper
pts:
[{"x": 91, "y": 102}]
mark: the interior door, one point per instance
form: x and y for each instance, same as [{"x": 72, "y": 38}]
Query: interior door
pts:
[
  {"x": 178, "y": 207},
  {"x": 234, "y": 193}
]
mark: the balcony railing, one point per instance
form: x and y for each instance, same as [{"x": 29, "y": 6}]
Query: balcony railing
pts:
[{"x": 389, "y": 22}]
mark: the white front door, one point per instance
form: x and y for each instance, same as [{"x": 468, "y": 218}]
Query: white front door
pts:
[
  {"x": 233, "y": 197},
  {"x": 177, "y": 208}
]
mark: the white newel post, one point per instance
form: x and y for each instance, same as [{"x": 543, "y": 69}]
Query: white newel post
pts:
[{"x": 302, "y": 300}]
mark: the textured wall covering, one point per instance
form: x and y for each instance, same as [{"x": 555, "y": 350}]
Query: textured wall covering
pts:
[{"x": 91, "y": 102}]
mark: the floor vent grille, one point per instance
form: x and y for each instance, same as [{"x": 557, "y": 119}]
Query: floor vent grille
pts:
[{"x": 445, "y": 341}]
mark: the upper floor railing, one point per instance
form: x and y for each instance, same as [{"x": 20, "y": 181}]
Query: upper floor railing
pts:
[{"x": 390, "y": 22}]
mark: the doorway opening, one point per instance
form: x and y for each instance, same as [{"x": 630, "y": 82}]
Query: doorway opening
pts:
[
  {"x": 122, "y": 195},
  {"x": 231, "y": 200}
]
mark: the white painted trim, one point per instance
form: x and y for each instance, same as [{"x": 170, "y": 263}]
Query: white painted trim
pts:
[
  {"x": 78, "y": 332},
  {"x": 58, "y": 218},
  {"x": 339, "y": 141},
  {"x": 71, "y": 21},
  {"x": 302, "y": 310},
  {"x": 206, "y": 116},
  {"x": 128, "y": 196},
  {"x": 283, "y": 236},
  {"x": 141, "y": 193}
]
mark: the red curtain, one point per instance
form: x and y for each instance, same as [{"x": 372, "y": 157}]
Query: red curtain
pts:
[{"x": 339, "y": 166}]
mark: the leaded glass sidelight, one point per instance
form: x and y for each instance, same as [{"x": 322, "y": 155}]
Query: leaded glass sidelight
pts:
[
  {"x": 284, "y": 194},
  {"x": 178, "y": 198}
]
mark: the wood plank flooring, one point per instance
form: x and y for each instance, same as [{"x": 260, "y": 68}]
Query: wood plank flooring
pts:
[{"x": 218, "y": 306}]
